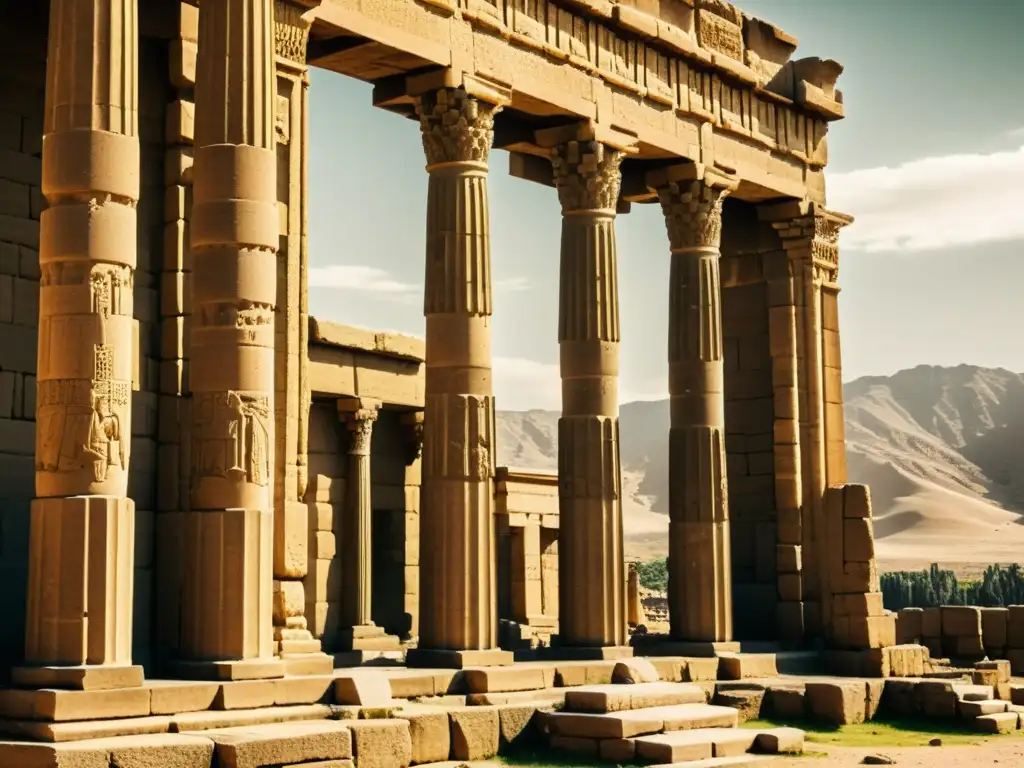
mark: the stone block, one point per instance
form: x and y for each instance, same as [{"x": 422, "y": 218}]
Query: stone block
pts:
[
  {"x": 858, "y": 541},
  {"x": 699, "y": 669},
  {"x": 1015, "y": 627},
  {"x": 1000, "y": 722},
  {"x": 931, "y": 623},
  {"x": 430, "y": 735},
  {"x": 510, "y": 678},
  {"x": 617, "y": 750},
  {"x": 274, "y": 744},
  {"x": 780, "y": 741},
  {"x": 636, "y": 670},
  {"x": 476, "y": 733},
  {"x": 381, "y": 743},
  {"x": 994, "y": 622},
  {"x": 838, "y": 703},
  {"x": 967, "y": 647},
  {"x": 742, "y": 666},
  {"x": 900, "y": 698},
  {"x": 960, "y": 621},
  {"x": 1000, "y": 667},
  {"x": 908, "y": 625},
  {"x": 938, "y": 699},
  {"x": 748, "y": 704},
  {"x": 516, "y": 724},
  {"x": 786, "y": 703},
  {"x": 972, "y": 709},
  {"x": 364, "y": 689}
]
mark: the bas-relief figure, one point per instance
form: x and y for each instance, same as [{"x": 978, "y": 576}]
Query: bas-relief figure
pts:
[{"x": 232, "y": 438}]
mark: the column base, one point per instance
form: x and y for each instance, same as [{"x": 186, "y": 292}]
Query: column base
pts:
[
  {"x": 648, "y": 645},
  {"x": 589, "y": 653},
  {"x": 368, "y": 658},
  {"x": 367, "y": 637},
  {"x": 430, "y": 658},
  {"x": 304, "y": 664},
  {"x": 231, "y": 670},
  {"x": 88, "y": 677}
]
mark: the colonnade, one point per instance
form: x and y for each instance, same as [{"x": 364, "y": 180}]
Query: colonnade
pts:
[{"x": 82, "y": 519}]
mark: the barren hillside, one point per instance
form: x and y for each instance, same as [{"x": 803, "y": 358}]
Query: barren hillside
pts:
[{"x": 941, "y": 448}]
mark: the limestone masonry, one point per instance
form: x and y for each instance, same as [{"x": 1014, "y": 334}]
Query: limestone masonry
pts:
[{"x": 215, "y": 510}]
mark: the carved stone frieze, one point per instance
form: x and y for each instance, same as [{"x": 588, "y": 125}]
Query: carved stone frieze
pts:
[
  {"x": 291, "y": 31},
  {"x": 587, "y": 176},
  {"x": 456, "y": 127},
  {"x": 231, "y": 436},
  {"x": 693, "y": 214},
  {"x": 815, "y": 236}
]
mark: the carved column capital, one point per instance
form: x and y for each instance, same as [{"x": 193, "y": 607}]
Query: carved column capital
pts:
[
  {"x": 587, "y": 176},
  {"x": 456, "y": 127},
  {"x": 812, "y": 237},
  {"x": 291, "y": 31},
  {"x": 359, "y": 414},
  {"x": 413, "y": 423},
  {"x": 691, "y": 198}
]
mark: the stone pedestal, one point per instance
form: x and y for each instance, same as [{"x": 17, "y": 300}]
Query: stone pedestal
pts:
[
  {"x": 458, "y": 599},
  {"x": 227, "y": 600},
  {"x": 699, "y": 587},
  {"x": 81, "y": 551},
  {"x": 592, "y": 621}
]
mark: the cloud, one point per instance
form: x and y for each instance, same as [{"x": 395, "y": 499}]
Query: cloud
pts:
[
  {"x": 936, "y": 202},
  {"x": 365, "y": 279}
]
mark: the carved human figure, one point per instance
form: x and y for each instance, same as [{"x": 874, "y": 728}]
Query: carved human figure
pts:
[{"x": 104, "y": 431}]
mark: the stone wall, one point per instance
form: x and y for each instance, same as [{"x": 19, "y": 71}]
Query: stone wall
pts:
[
  {"x": 22, "y": 82},
  {"x": 966, "y": 633}
]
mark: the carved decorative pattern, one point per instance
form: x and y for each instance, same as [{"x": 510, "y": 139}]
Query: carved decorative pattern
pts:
[
  {"x": 820, "y": 236},
  {"x": 693, "y": 214},
  {"x": 587, "y": 176},
  {"x": 456, "y": 127},
  {"x": 360, "y": 424},
  {"x": 230, "y": 437},
  {"x": 80, "y": 425},
  {"x": 291, "y": 32}
]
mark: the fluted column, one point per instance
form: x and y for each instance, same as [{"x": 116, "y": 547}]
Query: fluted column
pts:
[
  {"x": 699, "y": 585},
  {"x": 458, "y": 600},
  {"x": 82, "y": 538},
  {"x": 227, "y": 595},
  {"x": 592, "y": 609}
]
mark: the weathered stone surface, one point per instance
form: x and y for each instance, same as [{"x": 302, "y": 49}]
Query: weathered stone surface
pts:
[
  {"x": 381, "y": 743},
  {"x": 635, "y": 671},
  {"x": 1000, "y": 722},
  {"x": 281, "y": 743},
  {"x": 748, "y": 704},
  {"x": 476, "y": 733},
  {"x": 840, "y": 703}
]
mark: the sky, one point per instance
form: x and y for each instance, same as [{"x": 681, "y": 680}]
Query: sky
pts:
[{"x": 930, "y": 161}]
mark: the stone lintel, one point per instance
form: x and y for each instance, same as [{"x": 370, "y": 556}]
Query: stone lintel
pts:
[
  {"x": 611, "y": 136},
  {"x": 429, "y": 658},
  {"x": 718, "y": 176},
  {"x": 78, "y": 678},
  {"x": 531, "y": 168},
  {"x": 475, "y": 85},
  {"x": 245, "y": 669},
  {"x": 794, "y": 209},
  {"x": 349, "y": 408}
]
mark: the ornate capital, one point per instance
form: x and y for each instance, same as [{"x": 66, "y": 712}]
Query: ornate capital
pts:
[
  {"x": 587, "y": 176},
  {"x": 693, "y": 213},
  {"x": 413, "y": 423},
  {"x": 456, "y": 127},
  {"x": 359, "y": 415},
  {"x": 291, "y": 31},
  {"x": 814, "y": 237}
]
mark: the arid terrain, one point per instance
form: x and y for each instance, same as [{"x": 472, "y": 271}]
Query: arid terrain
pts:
[{"x": 941, "y": 449}]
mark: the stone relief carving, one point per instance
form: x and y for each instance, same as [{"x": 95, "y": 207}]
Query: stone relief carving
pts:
[
  {"x": 587, "y": 176},
  {"x": 821, "y": 234},
  {"x": 291, "y": 32},
  {"x": 231, "y": 438},
  {"x": 247, "y": 317},
  {"x": 456, "y": 127},
  {"x": 693, "y": 214}
]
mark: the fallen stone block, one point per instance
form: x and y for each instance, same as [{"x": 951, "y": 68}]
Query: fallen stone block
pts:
[
  {"x": 999, "y": 722},
  {"x": 748, "y": 704},
  {"x": 635, "y": 670},
  {"x": 366, "y": 690},
  {"x": 381, "y": 743},
  {"x": 476, "y": 733},
  {"x": 839, "y": 703},
  {"x": 780, "y": 741}
]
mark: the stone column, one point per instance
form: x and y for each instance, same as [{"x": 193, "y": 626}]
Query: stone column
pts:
[
  {"x": 592, "y": 621},
  {"x": 458, "y": 601},
  {"x": 296, "y": 644},
  {"x": 699, "y": 586},
  {"x": 635, "y": 606},
  {"x": 227, "y": 597},
  {"x": 79, "y": 609},
  {"x": 359, "y": 633}
]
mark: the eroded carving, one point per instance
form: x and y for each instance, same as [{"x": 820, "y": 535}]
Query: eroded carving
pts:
[
  {"x": 231, "y": 437},
  {"x": 360, "y": 424},
  {"x": 245, "y": 316},
  {"x": 693, "y": 214},
  {"x": 291, "y": 32},
  {"x": 587, "y": 176},
  {"x": 719, "y": 29},
  {"x": 456, "y": 127},
  {"x": 819, "y": 235}
]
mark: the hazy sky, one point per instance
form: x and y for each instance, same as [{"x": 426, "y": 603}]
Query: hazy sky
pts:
[{"x": 930, "y": 160}]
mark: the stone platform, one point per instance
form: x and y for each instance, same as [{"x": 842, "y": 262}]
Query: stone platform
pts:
[{"x": 656, "y": 709}]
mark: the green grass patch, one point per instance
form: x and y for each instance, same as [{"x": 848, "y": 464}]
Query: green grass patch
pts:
[{"x": 880, "y": 733}]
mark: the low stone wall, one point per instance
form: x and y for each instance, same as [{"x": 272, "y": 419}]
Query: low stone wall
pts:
[{"x": 966, "y": 632}]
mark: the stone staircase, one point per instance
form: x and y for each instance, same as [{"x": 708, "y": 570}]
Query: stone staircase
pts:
[{"x": 664, "y": 723}]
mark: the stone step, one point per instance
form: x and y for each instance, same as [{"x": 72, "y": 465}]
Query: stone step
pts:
[
  {"x": 639, "y": 722},
  {"x": 620, "y": 698},
  {"x": 972, "y": 709},
  {"x": 970, "y": 692},
  {"x": 698, "y": 744}
]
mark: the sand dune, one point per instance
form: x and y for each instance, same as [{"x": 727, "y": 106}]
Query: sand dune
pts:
[{"x": 941, "y": 448}]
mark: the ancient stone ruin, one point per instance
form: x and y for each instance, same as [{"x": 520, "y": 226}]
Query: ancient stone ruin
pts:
[{"x": 216, "y": 511}]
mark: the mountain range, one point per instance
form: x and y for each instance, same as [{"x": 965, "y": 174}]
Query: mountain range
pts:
[{"x": 941, "y": 448}]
